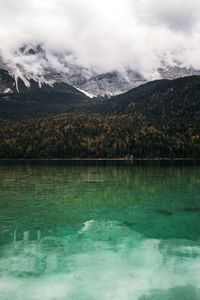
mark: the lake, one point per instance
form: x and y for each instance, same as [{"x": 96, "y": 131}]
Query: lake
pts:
[{"x": 99, "y": 230}]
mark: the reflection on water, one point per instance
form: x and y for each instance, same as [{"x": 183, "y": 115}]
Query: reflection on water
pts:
[{"x": 87, "y": 231}]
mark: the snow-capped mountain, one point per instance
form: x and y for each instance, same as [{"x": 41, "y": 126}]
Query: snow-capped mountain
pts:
[{"x": 32, "y": 62}]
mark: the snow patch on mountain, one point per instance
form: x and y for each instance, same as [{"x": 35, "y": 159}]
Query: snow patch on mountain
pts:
[
  {"x": 86, "y": 93},
  {"x": 32, "y": 62}
]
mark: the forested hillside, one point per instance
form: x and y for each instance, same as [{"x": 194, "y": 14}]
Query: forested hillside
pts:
[
  {"x": 160, "y": 119},
  {"x": 162, "y": 99},
  {"x": 35, "y": 101}
]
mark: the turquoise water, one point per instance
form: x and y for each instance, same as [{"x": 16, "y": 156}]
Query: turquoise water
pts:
[{"x": 99, "y": 231}]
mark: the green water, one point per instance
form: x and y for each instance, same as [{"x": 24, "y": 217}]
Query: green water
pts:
[{"x": 99, "y": 231}]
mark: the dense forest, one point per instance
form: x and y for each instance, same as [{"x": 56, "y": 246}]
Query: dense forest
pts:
[
  {"x": 97, "y": 136},
  {"x": 157, "y": 120}
]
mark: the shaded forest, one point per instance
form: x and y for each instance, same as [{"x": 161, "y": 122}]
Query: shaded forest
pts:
[
  {"x": 97, "y": 136},
  {"x": 160, "y": 119}
]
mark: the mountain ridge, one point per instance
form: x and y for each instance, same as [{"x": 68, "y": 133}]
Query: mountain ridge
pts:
[
  {"x": 166, "y": 98},
  {"x": 32, "y": 62},
  {"x": 17, "y": 101},
  {"x": 160, "y": 119}
]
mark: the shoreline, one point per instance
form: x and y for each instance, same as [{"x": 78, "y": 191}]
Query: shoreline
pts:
[{"x": 100, "y": 159}]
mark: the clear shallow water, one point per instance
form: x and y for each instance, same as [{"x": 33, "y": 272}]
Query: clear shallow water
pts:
[{"x": 95, "y": 231}]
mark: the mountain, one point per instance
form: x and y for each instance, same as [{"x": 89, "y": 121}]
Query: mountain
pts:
[
  {"x": 160, "y": 119},
  {"x": 112, "y": 83},
  {"x": 18, "y": 101},
  {"x": 161, "y": 100},
  {"x": 118, "y": 82},
  {"x": 32, "y": 62},
  {"x": 164, "y": 100},
  {"x": 7, "y": 82}
]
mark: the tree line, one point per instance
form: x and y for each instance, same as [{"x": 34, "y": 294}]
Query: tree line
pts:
[{"x": 98, "y": 136}]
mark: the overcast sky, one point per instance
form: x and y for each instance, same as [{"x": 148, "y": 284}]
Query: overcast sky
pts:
[{"x": 106, "y": 34}]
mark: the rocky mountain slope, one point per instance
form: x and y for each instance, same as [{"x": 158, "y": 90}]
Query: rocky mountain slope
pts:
[
  {"x": 32, "y": 62},
  {"x": 158, "y": 100},
  {"x": 35, "y": 100}
]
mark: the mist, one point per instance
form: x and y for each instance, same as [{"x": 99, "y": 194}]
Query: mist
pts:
[{"x": 105, "y": 35}]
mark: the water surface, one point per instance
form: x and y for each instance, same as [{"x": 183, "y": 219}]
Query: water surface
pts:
[{"x": 99, "y": 231}]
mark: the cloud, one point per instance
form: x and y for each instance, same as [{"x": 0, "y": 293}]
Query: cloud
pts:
[
  {"x": 102, "y": 34},
  {"x": 175, "y": 15}
]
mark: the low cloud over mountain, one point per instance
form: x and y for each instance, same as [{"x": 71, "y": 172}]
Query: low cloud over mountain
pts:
[{"x": 103, "y": 36}]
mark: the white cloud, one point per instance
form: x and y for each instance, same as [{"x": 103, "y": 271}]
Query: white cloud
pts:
[{"x": 103, "y": 34}]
